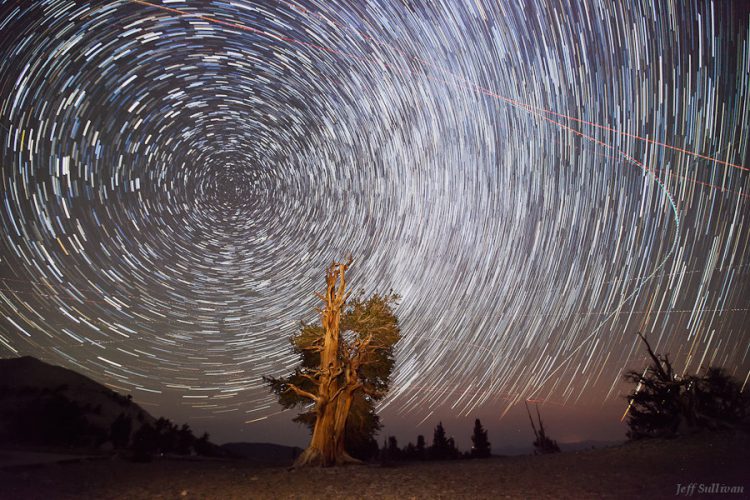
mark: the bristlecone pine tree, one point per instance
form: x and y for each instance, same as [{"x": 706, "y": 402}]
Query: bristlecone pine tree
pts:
[
  {"x": 664, "y": 404},
  {"x": 345, "y": 366}
]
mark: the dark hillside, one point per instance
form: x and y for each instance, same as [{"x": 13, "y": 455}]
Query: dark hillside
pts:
[{"x": 47, "y": 405}]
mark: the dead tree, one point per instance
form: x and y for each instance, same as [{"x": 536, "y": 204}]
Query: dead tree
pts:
[
  {"x": 542, "y": 444},
  {"x": 658, "y": 405}
]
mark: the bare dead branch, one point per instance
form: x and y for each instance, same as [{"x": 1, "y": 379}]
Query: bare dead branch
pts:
[
  {"x": 536, "y": 434},
  {"x": 301, "y": 392},
  {"x": 655, "y": 358},
  {"x": 311, "y": 378}
]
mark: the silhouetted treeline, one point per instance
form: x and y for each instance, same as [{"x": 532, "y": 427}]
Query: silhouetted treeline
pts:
[
  {"x": 43, "y": 406},
  {"x": 163, "y": 438},
  {"x": 442, "y": 447},
  {"x": 48, "y": 417}
]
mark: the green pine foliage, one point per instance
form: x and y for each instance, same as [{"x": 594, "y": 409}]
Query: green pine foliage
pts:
[{"x": 362, "y": 317}]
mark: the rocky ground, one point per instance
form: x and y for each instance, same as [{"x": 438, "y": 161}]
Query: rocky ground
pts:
[{"x": 649, "y": 469}]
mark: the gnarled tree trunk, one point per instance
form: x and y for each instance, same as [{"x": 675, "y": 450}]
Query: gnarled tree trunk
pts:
[
  {"x": 322, "y": 449},
  {"x": 334, "y": 380},
  {"x": 344, "y": 404}
]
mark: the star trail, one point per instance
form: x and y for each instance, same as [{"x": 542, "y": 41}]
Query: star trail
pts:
[{"x": 537, "y": 180}]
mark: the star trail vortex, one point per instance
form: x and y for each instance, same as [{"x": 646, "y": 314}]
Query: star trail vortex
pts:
[{"x": 537, "y": 180}]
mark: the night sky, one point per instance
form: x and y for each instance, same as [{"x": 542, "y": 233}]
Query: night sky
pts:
[{"x": 538, "y": 180}]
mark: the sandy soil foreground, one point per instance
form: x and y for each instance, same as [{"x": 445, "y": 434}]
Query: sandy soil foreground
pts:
[{"x": 651, "y": 469}]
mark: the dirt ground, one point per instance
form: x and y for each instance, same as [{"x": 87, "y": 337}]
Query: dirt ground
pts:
[{"x": 650, "y": 469}]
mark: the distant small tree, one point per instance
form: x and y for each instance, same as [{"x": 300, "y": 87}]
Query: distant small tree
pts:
[
  {"x": 166, "y": 435},
  {"x": 185, "y": 440},
  {"x": 409, "y": 452},
  {"x": 394, "y": 453},
  {"x": 542, "y": 443},
  {"x": 453, "y": 452},
  {"x": 439, "y": 449},
  {"x": 203, "y": 446},
  {"x": 421, "y": 451},
  {"x": 119, "y": 432},
  {"x": 481, "y": 445},
  {"x": 145, "y": 443}
]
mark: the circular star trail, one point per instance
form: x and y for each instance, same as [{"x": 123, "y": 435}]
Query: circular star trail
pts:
[{"x": 538, "y": 180}]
